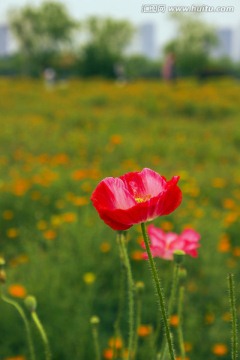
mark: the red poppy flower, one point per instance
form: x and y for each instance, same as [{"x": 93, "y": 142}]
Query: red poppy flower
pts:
[
  {"x": 135, "y": 197},
  {"x": 164, "y": 244}
]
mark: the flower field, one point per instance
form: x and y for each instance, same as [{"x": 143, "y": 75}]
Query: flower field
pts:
[{"x": 56, "y": 145}]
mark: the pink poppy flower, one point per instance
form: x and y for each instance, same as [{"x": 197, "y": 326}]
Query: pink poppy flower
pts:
[
  {"x": 164, "y": 244},
  {"x": 135, "y": 197}
]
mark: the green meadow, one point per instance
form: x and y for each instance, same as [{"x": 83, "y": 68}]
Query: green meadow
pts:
[{"x": 56, "y": 144}]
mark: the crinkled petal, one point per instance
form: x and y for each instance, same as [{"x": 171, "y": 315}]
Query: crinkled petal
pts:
[
  {"x": 144, "y": 183},
  {"x": 135, "y": 198},
  {"x": 111, "y": 193}
]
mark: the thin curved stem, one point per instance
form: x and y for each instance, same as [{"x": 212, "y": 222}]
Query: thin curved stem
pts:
[
  {"x": 179, "y": 328},
  {"x": 159, "y": 291},
  {"x": 96, "y": 340},
  {"x": 131, "y": 290},
  {"x": 117, "y": 330},
  {"x": 27, "y": 327},
  {"x": 43, "y": 335}
]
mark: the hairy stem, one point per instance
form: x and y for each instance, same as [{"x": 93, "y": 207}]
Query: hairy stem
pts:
[
  {"x": 160, "y": 294},
  {"x": 179, "y": 328},
  {"x": 175, "y": 281},
  {"x": 131, "y": 290},
  {"x": 232, "y": 300}
]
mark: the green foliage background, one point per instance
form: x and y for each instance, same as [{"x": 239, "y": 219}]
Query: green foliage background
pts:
[{"x": 56, "y": 145}]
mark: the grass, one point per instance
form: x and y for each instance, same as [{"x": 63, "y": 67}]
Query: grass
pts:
[{"x": 56, "y": 146}]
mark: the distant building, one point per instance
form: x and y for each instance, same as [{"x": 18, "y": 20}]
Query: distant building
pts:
[
  {"x": 147, "y": 34},
  {"x": 236, "y": 44},
  {"x": 225, "y": 46},
  {"x": 4, "y": 40},
  {"x": 144, "y": 41}
]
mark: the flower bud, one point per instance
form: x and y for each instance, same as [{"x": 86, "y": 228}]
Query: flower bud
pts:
[
  {"x": 2, "y": 277},
  {"x": 94, "y": 320},
  {"x": 139, "y": 286},
  {"x": 2, "y": 261},
  {"x": 31, "y": 303},
  {"x": 182, "y": 273},
  {"x": 179, "y": 256}
]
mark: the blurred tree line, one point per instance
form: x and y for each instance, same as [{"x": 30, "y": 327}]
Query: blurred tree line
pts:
[{"x": 48, "y": 37}]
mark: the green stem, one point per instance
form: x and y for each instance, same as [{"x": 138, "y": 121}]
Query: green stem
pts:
[
  {"x": 171, "y": 302},
  {"x": 179, "y": 328},
  {"x": 232, "y": 300},
  {"x": 117, "y": 330},
  {"x": 131, "y": 291},
  {"x": 24, "y": 318},
  {"x": 159, "y": 291},
  {"x": 139, "y": 289},
  {"x": 42, "y": 334},
  {"x": 95, "y": 337}
]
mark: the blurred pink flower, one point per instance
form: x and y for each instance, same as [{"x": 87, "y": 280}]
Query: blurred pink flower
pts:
[{"x": 164, "y": 244}]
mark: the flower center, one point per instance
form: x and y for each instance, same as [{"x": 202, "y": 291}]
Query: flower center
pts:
[{"x": 141, "y": 199}]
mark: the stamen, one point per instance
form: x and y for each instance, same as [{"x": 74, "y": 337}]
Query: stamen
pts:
[{"x": 142, "y": 199}]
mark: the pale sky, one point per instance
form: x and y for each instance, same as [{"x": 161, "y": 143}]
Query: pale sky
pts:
[{"x": 132, "y": 10}]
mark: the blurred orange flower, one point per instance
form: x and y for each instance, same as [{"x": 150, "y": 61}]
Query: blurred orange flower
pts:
[
  {"x": 137, "y": 255},
  {"x": 105, "y": 247},
  {"x": 115, "y": 343},
  {"x": 108, "y": 354},
  {"x": 174, "y": 320},
  {"x": 19, "y": 357},
  {"x": 236, "y": 251},
  {"x": 224, "y": 244},
  {"x": 218, "y": 183},
  {"x": 17, "y": 290},
  {"x": 116, "y": 139},
  {"x": 220, "y": 349},
  {"x": 144, "y": 330},
  {"x": 50, "y": 234},
  {"x": 12, "y": 233},
  {"x": 8, "y": 215},
  {"x": 69, "y": 217}
]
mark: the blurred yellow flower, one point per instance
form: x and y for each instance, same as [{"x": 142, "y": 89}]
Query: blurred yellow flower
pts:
[
  {"x": 105, "y": 247},
  {"x": 226, "y": 316},
  {"x": 69, "y": 217},
  {"x": 166, "y": 226},
  {"x": 18, "y": 260},
  {"x": 12, "y": 233},
  {"x": 188, "y": 346},
  {"x": 89, "y": 278},
  {"x": 8, "y": 215},
  {"x": 80, "y": 200},
  {"x": 41, "y": 225},
  {"x": 116, "y": 139},
  {"x": 209, "y": 318},
  {"x": 218, "y": 183},
  {"x": 35, "y": 195}
]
